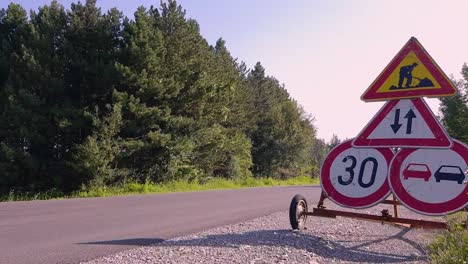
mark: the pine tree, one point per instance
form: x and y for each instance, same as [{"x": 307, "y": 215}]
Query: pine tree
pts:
[
  {"x": 334, "y": 141},
  {"x": 95, "y": 159},
  {"x": 284, "y": 135},
  {"x": 144, "y": 92},
  {"x": 454, "y": 109},
  {"x": 17, "y": 103},
  {"x": 92, "y": 46}
]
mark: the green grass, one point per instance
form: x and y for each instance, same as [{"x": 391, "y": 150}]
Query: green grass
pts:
[
  {"x": 452, "y": 246},
  {"x": 27, "y": 196},
  {"x": 174, "y": 186}
]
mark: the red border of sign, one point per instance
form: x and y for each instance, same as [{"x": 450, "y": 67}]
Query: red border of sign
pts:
[
  {"x": 412, "y": 203},
  {"x": 362, "y": 202},
  {"x": 441, "y": 140},
  {"x": 446, "y": 86}
]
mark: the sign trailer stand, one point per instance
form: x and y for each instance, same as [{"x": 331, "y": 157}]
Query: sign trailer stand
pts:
[
  {"x": 403, "y": 151},
  {"x": 298, "y": 212}
]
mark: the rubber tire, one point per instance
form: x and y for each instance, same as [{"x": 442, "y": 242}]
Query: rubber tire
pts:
[{"x": 297, "y": 223}]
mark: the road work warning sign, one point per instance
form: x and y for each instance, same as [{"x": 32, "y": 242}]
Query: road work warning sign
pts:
[{"x": 412, "y": 73}]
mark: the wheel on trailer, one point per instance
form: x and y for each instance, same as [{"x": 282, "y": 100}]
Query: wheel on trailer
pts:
[{"x": 298, "y": 207}]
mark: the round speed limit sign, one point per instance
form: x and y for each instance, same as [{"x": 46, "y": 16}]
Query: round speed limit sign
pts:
[{"x": 356, "y": 177}]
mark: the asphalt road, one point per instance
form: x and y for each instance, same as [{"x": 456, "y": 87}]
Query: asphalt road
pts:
[{"x": 69, "y": 231}]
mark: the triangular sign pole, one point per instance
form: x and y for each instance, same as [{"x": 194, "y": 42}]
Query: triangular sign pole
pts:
[
  {"x": 407, "y": 123},
  {"x": 412, "y": 53}
]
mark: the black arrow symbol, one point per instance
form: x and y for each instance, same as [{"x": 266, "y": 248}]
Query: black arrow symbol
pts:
[
  {"x": 396, "y": 125},
  {"x": 410, "y": 115}
]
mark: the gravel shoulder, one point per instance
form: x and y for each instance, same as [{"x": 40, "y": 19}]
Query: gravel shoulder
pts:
[{"x": 269, "y": 239}]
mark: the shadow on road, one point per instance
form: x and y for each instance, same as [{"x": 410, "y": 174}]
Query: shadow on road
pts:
[
  {"x": 306, "y": 186},
  {"x": 127, "y": 242},
  {"x": 356, "y": 252}
]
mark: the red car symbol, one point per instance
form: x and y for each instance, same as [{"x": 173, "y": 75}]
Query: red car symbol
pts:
[{"x": 416, "y": 170}]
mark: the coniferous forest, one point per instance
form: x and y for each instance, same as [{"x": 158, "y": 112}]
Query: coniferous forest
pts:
[{"x": 93, "y": 98}]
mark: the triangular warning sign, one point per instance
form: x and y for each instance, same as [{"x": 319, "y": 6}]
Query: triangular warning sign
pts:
[
  {"x": 412, "y": 73},
  {"x": 404, "y": 123}
]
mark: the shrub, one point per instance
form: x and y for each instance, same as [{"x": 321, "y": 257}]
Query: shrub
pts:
[{"x": 452, "y": 245}]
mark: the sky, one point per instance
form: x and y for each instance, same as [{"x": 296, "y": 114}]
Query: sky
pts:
[{"x": 327, "y": 53}]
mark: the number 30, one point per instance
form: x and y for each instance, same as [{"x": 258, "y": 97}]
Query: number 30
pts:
[{"x": 350, "y": 170}]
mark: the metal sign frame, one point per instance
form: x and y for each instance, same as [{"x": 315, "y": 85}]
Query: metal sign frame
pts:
[{"x": 298, "y": 210}]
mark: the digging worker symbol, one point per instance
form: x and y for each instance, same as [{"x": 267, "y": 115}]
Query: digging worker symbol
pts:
[{"x": 406, "y": 72}]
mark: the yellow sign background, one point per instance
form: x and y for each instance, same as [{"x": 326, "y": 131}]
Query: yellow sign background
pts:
[{"x": 420, "y": 71}]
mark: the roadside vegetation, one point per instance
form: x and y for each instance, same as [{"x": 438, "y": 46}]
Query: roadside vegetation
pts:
[
  {"x": 452, "y": 246},
  {"x": 149, "y": 188},
  {"x": 94, "y": 103}
]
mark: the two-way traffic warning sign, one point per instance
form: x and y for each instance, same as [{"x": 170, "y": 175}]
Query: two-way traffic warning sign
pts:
[
  {"x": 412, "y": 73},
  {"x": 404, "y": 123}
]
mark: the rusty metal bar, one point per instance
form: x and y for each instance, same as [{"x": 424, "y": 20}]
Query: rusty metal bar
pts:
[
  {"x": 395, "y": 210},
  {"x": 390, "y": 202},
  {"x": 387, "y": 219}
]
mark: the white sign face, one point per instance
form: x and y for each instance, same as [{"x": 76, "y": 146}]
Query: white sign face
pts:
[
  {"x": 431, "y": 181},
  {"x": 404, "y": 123},
  {"x": 356, "y": 177}
]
